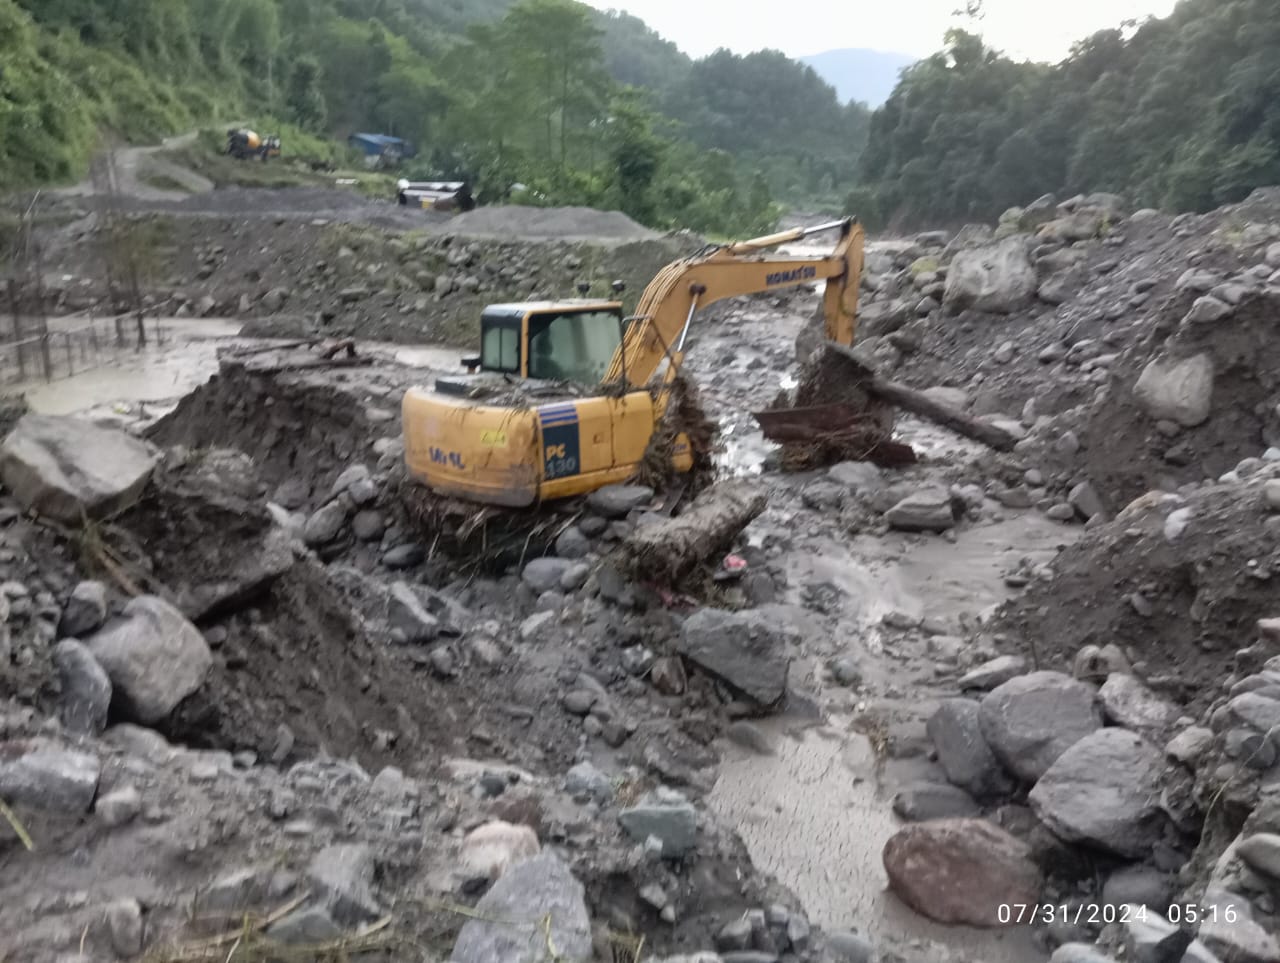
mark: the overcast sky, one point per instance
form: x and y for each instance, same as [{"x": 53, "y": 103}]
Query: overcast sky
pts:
[{"x": 1033, "y": 29}]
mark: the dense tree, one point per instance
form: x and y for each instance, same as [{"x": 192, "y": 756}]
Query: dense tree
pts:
[
  {"x": 1182, "y": 113},
  {"x": 304, "y": 99}
]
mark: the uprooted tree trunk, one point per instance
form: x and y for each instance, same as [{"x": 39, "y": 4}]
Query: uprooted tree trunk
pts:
[
  {"x": 919, "y": 403},
  {"x": 670, "y": 550}
]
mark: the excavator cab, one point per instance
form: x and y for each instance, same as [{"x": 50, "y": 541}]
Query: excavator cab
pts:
[{"x": 563, "y": 341}]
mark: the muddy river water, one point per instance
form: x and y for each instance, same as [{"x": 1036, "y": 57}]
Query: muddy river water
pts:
[{"x": 817, "y": 813}]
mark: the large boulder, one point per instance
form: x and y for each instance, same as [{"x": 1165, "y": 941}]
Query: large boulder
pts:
[
  {"x": 86, "y": 690},
  {"x": 998, "y": 278},
  {"x": 927, "y": 510},
  {"x": 154, "y": 657},
  {"x": 1032, "y": 720},
  {"x": 85, "y": 610},
  {"x": 960, "y": 871},
  {"x": 66, "y": 468},
  {"x": 1177, "y": 390},
  {"x": 1104, "y": 791},
  {"x": 44, "y": 776},
  {"x": 665, "y": 815},
  {"x": 746, "y": 649},
  {"x": 193, "y": 494},
  {"x": 963, "y": 752},
  {"x": 1129, "y": 703},
  {"x": 536, "y": 913},
  {"x": 342, "y": 877}
]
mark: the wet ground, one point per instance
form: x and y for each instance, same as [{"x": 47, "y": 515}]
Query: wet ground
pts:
[{"x": 817, "y": 814}]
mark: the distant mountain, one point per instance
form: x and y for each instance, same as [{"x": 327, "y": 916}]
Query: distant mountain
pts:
[{"x": 856, "y": 74}]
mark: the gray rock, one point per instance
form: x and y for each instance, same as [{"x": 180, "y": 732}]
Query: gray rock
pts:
[
  {"x": 618, "y": 501},
  {"x": 350, "y": 476},
  {"x": 746, "y": 649},
  {"x": 956, "y": 398},
  {"x": 1178, "y": 390},
  {"x": 735, "y": 935},
  {"x": 571, "y": 543},
  {"x": 275, "y": 299},
  {"x": 48, "y": 778},
  {"x": 66, "y": 468},
  {"x": 997, "y": 278},
  {"x": 119, "y": 806},
  {"x": 1084, "y": 498},
  {"x": 1261, "y": 852},
  {"x": 325, "y": 524},
  {"x": 932, "y": 800},
  {"x": 1079, "y": 953},
  {"x": 1129, "y": 703},
  {"x": 575, "y": 577},
  {"x": 368, "y": 526},
  {"x": 1241, "y": 939},
  {"x": 154, "y": 657},
  {"x": 592, "y": 526},
  {"x": 1144, "y": 932},
  {"x": 1206, "y": 310},
  {"x": 537, "y": 889},
  {"x": 1033, "y": 719},
  {"x": 310, "y": 925},
  {"x": 859, "y": 477},
  {"x": 341, "y": 876},
  {"x": 85, "y": 610},
  {"x": 86, "y": 689},
  {"x": 928, "y": 510},
  {"x": 1189, "y": 745},
  {"x": 1256, "y": 710},
  {"x": 292, "y": 493},
  {"x": 1061, "y": 512},
  {"x": 1139, "y": 886},
  {"x": 992, "y": 673},
  {"x": 544, "y": 574},
  {"x": 848, "y": 947},
  {"x": 963, "y": 752},
  {"x": 241, "y": 890},
  {"x": 261, "y": 565},
  {"x": 585, "y": 781},
  {"x": 124, "y": 923},
  {"x": 408, "y": 618},
  {"x": 404, "y": 556},
  {"x": 667, "y": 815},
  {"x": 1104, "y": 791}
]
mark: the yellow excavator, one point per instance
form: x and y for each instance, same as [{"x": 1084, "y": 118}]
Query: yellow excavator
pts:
[{"x": 565, "y": 397}]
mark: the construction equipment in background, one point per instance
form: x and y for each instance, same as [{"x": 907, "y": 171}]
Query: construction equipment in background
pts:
[
  {"x": 566, "y": 397},
  {"x": 435, "y": 195},
  {"x": 244, "y": 144}
]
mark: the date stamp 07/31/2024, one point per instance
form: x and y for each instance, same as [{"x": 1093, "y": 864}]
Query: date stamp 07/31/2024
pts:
[{"x": 1102, "y": 913}]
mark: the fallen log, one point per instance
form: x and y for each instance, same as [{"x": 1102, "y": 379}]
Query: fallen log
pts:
[
  {"x": 919, "y": 403},
  {"x": 670, "y": 550}
]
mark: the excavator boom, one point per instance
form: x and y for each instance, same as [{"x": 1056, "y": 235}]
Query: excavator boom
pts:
[{"x": 664, "y": 316}]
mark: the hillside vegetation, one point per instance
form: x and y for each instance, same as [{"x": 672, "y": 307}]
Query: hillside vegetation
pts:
[
  {"x": 585, "y": 107},
  {"x": 1183, "y": 114},
  {"x": 581, "y": 106}
]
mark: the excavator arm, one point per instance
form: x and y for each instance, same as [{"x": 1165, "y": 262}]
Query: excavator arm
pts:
[{"x": 660, "y": 327}]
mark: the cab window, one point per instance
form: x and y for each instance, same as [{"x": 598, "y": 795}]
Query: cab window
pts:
[
  {"x": 577, "y": 347},
  {"x": 500, "y": 349}
]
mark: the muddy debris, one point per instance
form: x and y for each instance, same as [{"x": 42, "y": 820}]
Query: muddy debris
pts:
[{"x": 866, "y": 711}]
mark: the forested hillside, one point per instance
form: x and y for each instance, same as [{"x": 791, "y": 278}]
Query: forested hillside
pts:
[
  {"x": 581, "y": 106},
  {"x": 1183, "y": 114}
]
